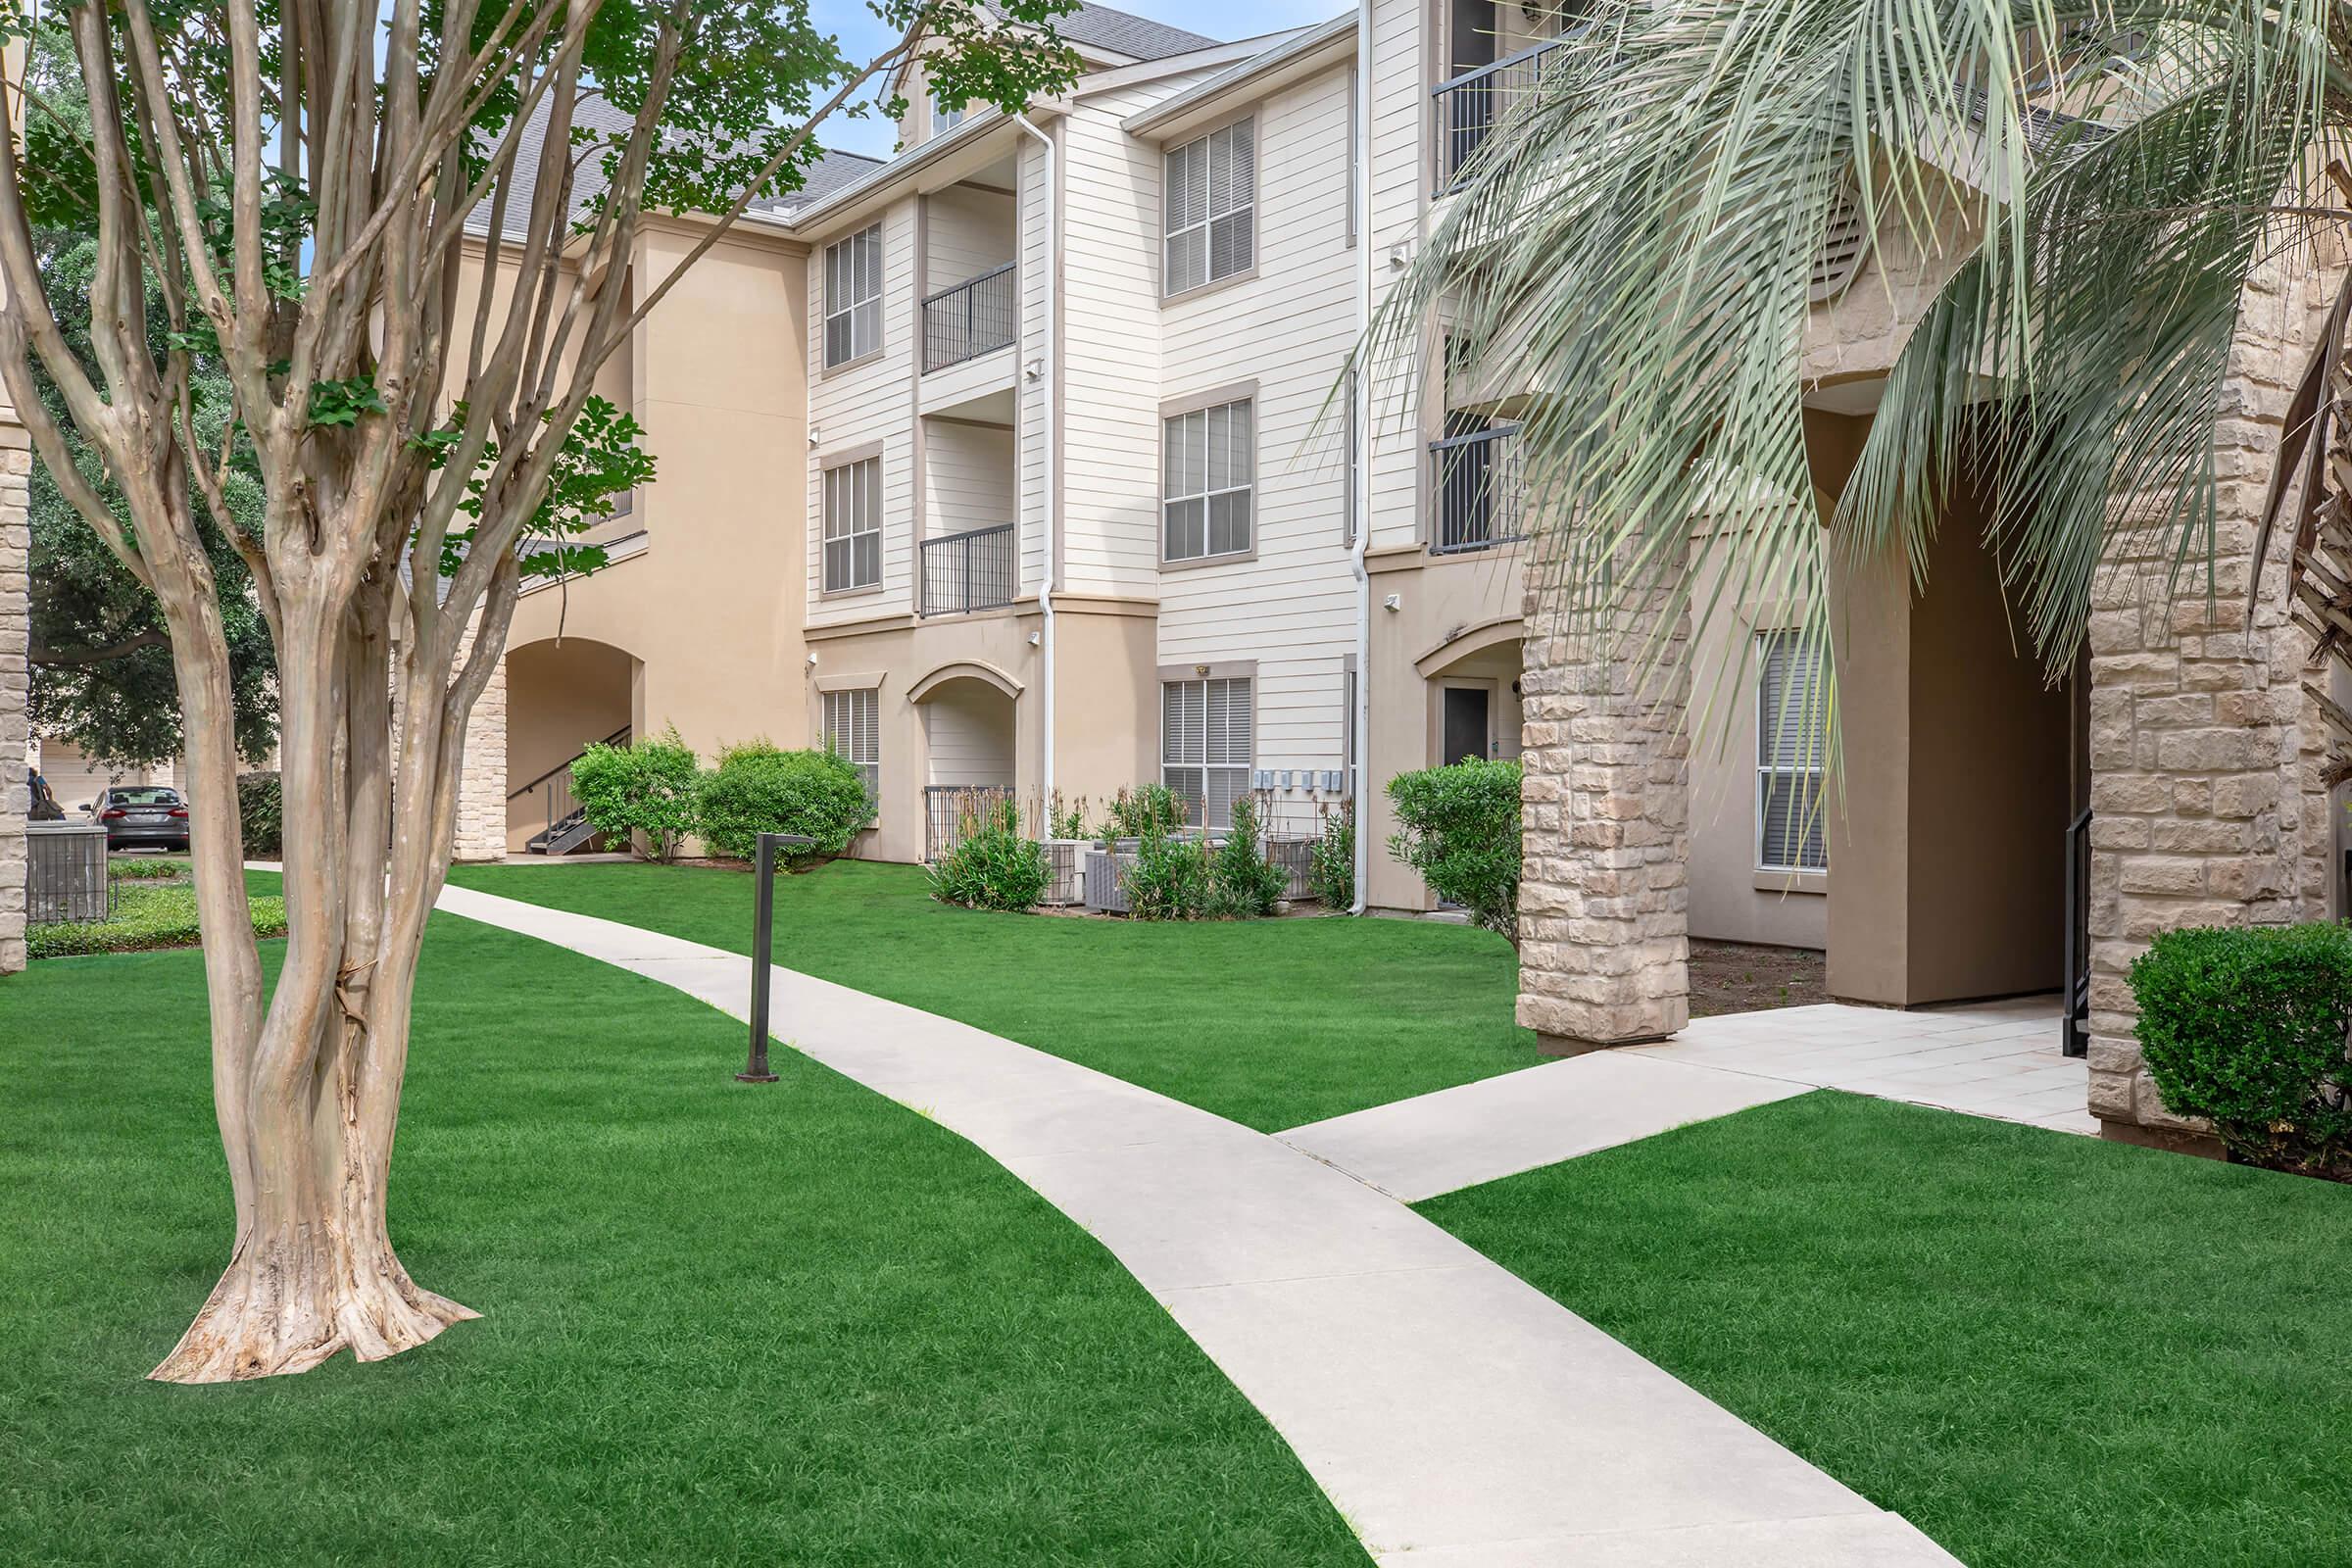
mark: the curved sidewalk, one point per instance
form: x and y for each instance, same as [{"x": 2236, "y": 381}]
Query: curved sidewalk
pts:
[{"x": 1457, "y": 1417}]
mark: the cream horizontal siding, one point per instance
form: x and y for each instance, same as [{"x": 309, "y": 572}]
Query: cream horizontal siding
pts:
[
  {"x": 967, "y": 231},
  {"x": 1401, "y": 171},
  {"x": 863, "y": 403},
  {"x": 1038, "y": 273},
  {"x": 1289, "y": 329},
  {"x": 969, "y": 482}
]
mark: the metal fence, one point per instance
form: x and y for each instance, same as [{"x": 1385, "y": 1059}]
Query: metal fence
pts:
[
  {"x": 65, "y": 877},
  {"x": 1470, "y": 106},
  {"x": 969, "y": 571},
  {"x": 977, "y": 316},
  {"x": 952, "y": 810},
  {"x": 1480, "y": 488}
]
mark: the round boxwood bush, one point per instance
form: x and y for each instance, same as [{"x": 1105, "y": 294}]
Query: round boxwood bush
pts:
[
  {"x": 759, "y": 788},
  {"x": 2246, "y": 1028},
  {"x": 1458, "y": 826},
  {"x": 641, "y": 793}
]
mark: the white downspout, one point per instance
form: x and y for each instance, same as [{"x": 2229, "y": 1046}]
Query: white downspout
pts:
[
  {"x": 1359, "y": 416},
  {"x": 1051, "y": 377}
]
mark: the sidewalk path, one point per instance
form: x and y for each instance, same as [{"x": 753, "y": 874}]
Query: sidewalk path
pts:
[
  {"x": 1457, "y": 1416},
  {"x": 1999, "y": 1060}
]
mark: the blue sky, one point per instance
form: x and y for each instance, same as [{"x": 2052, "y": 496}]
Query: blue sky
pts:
[{"x": 861, "y": 36}]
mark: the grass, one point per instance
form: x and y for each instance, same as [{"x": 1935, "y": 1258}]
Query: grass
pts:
[
  {"x": 148, "y": 915},
  {"x": 2040, "y": 1348},
  {"x": 1273, "y": 1023},
  {"x": 146, "y": 868},
  {"x": 724, "y": 1325}
]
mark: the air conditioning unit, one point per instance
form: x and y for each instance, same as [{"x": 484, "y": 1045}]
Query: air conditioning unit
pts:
[{"x": 1065, "y": 870}]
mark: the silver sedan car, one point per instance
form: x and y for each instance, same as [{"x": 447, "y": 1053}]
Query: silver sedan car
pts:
[{"x": 141, "y": 816}]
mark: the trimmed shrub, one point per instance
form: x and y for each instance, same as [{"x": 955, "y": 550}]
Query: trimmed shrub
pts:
[
  {"x": 1458, "y": 826},
  {"x": 1241, "y": 883},
  {"x": 1170, "y": 880},
  {"x": 1331, "y": 864},
  {"x": 146, "y": 917},
  {"x": 648, "y": 787},
  {"x": 262, "y": 808},
  {"x": 759, "y": 788},
  {"x": 2247, "y": 1028},
  {"x": 993, "y": 865}
]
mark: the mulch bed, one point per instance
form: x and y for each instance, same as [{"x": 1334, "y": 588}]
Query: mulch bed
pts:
[{"x": 1743, "y": 977}]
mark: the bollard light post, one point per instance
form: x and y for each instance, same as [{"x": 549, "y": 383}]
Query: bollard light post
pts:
[{"x": 763, "y": 942}]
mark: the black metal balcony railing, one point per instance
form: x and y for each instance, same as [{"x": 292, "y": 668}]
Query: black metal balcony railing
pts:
[
  {"x": 1471, "y": 105},
  {"x": 969, "y": 571},
  {"x": 1480, "y": 487},
  {"x": 976, "y": 316}
]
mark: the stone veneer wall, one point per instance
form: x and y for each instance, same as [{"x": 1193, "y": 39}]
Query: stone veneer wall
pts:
[
  {"x": 1604, "y": 896},
  {"x": 481, "y": 827},
  {"x": 16, "y": 680},
  {"x": 2204, "y": 749}
]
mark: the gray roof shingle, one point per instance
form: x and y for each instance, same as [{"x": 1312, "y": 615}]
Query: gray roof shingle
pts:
[{"x": 1122, "y": 33}]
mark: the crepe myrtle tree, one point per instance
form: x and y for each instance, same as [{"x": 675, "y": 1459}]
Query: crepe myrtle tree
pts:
[{"x": 296, "y": 179}]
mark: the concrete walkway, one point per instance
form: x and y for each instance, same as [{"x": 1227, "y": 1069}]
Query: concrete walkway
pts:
[
  {"x": 1999, "y": 1060},
  {"x": 1458, "y": 1417}
]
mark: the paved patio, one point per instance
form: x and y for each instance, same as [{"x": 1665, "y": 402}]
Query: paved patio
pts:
[{"x": 1996, "y": 1059}]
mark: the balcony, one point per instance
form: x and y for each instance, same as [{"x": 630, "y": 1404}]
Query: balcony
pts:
[
  {"x": 1470, "y": 106},
  {"x": 976, "y": 317},
  {"x": 1479, "y": 489},
  {"x": 968, "y": 571}
]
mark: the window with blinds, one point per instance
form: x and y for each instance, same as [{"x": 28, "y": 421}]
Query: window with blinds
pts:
[
  {"x": 853, "y": 733},
  {"x": 1791, "y": 742},
  {"x": 1204, "y": 745},
  {"x": 1212, "y": 207},
  {"x": 854, "y": 296},
  {"x": 1208, "y": 461},
  {"x": 854, "y": 526}
]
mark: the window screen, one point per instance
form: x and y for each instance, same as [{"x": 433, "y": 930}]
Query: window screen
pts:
[
  {"x": 1208, "y": 463},
  {"x": 1204, "y": 745},
  {"x": 1791, "y": 739},
  {"x": 1212, "y": 207},
  {"x": 854, "y": 296},
  {"x": 854, "y": 526}
]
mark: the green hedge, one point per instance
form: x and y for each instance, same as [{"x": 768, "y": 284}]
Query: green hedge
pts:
[
  {"x": 646, "y": 788},
  {"x": 1458, "y": 826},
  {"x": 262, "y": 808},
  {"x": 759, "y": 788},
  {"x": 146, "y": 917},
  {"x": 2246, "y": 1028}
]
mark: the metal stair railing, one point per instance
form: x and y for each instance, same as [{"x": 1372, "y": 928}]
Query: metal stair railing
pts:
[{"x": 566, "y": 820}]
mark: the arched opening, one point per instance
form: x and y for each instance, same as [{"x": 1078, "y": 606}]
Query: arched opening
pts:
[
  {"x": 968, "y": 750},
  {"x": 1473, "y": 683},
  {"x": 562, "y": 696}
]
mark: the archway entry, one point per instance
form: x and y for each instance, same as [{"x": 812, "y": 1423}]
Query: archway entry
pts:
[
  {"x": 562, "y": 696},
  {"x": 1473, "y": 685},
  {"x": 970, "y": 749}
]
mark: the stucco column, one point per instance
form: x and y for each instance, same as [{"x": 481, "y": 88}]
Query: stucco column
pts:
[
  {"x": 1604, "y": 894},
  {"x": 481, "y": 828},
  {"x": 2204, "y": 751},
  {"x": 16, "y": 680}
]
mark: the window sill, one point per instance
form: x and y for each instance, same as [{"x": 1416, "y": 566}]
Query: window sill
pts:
[
  {"x": 1196, "y": 562},
  {"x": 857, "y": 364},
  {"x": 1248, "y": 274},
  {"x": 862, "y": 591},
  {"x": 1816, "y": 883}
]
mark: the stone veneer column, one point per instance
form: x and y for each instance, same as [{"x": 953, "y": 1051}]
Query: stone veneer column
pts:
[
  {"x": 16, "y": 679},
  {"x": 1604, "y": 894},
  {"x": 481, "y": 827},
  {"x": 2207, "y": 807}
]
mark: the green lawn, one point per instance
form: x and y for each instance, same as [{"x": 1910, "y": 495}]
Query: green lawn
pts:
[
  {"x": 1272, "y": 1023},
  {"x": 2040, "y": 1348},
  {"x": 794, "y": 1324}
]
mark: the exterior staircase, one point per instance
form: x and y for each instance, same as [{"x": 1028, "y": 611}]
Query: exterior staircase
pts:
[{"x": 567, "y": 828}]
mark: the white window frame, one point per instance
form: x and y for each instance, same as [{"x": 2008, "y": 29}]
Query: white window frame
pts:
[
  {"x": 1805, "y": 768},
  {"x": 1190, "y": 761},
  {"x": 853, "y": 721},
  {"x": 851, "y": 504},
  {"x": 1190, "y": 206},
  {"x": 946, "y": 117},
  {"x": 1195, "y": 432},
  {"x": 854, "y": 296}
]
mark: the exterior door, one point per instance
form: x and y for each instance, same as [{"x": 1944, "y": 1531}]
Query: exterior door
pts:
[{"x": 1464, "y": 728}]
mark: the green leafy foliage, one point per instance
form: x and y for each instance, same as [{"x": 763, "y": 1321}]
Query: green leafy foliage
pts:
[
  {"x": 2246, "y": 1027},
  {"x": 994, "y": 865},
  {"x": 1139, "y": 813},
  {"x": 1243, "y": 883},
  {"x": 648, "y": 787},
  {"x": 262, "y": 808},
  {"x": 342, "y": 403},
  {"x": 1331, "y": 864},
  {"x": 1170, "y": 877},
  {"x": 601, "y": 458},
  {"x": 1066, "y": 820},
  {"x": 1458, "y": 826},
  {"x": 760, "y": 787},
  {"x": 146, "y": 917}
]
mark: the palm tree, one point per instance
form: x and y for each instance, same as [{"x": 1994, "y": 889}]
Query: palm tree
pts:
[{"x": 1635, "y": 246}]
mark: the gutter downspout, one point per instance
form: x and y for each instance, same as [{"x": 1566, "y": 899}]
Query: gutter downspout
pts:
[
  {"x": 1359, "y": 414},
  {"x": 1051, "y": 379}
]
